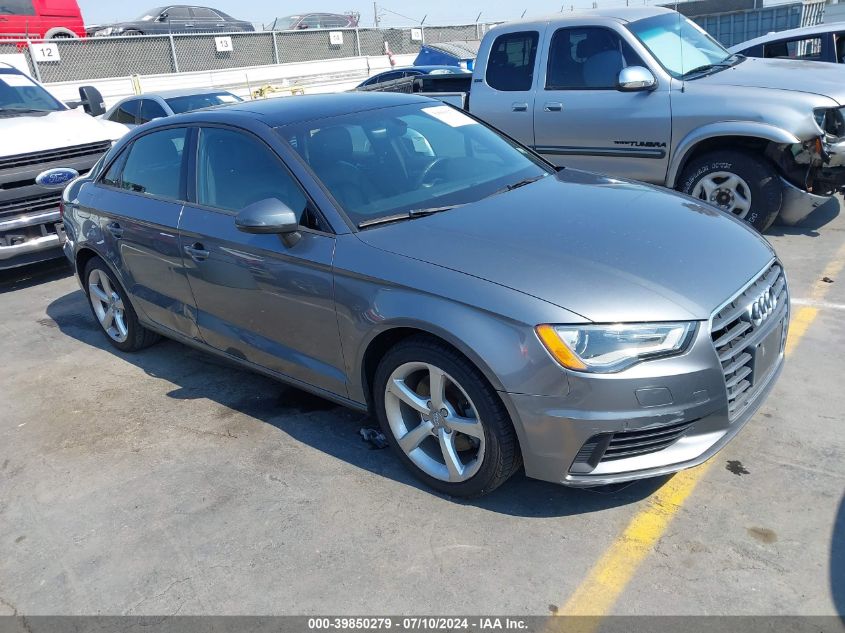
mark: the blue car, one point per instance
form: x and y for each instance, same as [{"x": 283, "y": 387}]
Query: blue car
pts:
[{"x": 413, "y": 71}]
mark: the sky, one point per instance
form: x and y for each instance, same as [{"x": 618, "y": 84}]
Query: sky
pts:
[{"x": 391, "y": 12}]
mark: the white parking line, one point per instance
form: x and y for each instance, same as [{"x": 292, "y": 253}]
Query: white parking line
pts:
[{"x": 818, "y": 304}]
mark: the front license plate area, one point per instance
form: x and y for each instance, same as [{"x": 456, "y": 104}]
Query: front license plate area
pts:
[{"x": 766, "y": 354}]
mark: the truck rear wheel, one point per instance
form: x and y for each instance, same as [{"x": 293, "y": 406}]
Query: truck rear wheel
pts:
[{"x": 736, "y": 182}]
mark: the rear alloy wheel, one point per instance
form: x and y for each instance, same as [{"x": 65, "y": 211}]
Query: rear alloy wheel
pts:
[
  {"x": 443, "y": 419},
  {"x": 112, "y": 309},
  {"x": 738, "y": 183}
]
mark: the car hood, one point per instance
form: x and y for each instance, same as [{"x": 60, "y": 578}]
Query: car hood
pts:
[
  {"x": 783, "y": 74},
  {"x": 63, "y": 128},
  {"x": 606, "y": 249}
]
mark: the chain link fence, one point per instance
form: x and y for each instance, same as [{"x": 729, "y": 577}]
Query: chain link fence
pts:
[{"x": 93, "y": 58}]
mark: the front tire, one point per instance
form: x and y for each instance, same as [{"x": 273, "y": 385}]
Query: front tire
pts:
[
  {"x": 112, "y": 309},
  {"x": 443, "y": 419},
  {"x": 736, "y": 182}
]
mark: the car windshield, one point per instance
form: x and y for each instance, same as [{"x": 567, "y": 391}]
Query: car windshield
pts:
[
  {"x": 19, "y": 94},
  {"x": 152, "y": 14},
  {"x": 678, "y": 44},
  {"x": 283, "y": 24},
  {"x": 402, "y": 160},
  {"x": 189, "y": 103}
]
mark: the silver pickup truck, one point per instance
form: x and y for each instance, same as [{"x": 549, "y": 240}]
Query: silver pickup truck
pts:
[{"x": 645, "y": 94}]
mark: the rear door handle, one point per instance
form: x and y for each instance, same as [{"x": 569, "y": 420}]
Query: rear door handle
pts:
[
  {"x": 519, "y": 107},
  {"x": 553, "y": 106},
  {"x": 115, "y": 229},
  {"x": 197, "y": 252}
]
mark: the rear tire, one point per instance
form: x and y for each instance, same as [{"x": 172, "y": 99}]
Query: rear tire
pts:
[
  {"x": 736, "y": 182},
  {"x": 112, "y": 309},
  {"x": 458, "y": 440}
]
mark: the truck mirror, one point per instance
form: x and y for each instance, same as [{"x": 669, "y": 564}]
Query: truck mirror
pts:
[
  {"x": 635, "y": 78},
  {"x": 92, "y": 100}
]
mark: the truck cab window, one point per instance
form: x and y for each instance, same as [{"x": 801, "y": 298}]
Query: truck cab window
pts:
[
  {"x": 512, "y": 57},
  {"x": 588, "y": 58}
]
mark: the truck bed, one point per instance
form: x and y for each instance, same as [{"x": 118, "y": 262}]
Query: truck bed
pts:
[{"x": 453, "y": 89}]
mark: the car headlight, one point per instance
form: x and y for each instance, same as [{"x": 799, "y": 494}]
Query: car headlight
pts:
[
  {"x": 104, "y": 32},
  {"x": 831, "y": 121},
  {"x": 611, "y": 348}
]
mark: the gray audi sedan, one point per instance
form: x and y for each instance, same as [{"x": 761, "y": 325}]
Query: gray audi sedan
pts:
[{"x": 396, "y": 255}]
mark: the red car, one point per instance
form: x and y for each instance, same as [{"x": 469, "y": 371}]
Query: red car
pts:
[{"x": 39, "y": 19}]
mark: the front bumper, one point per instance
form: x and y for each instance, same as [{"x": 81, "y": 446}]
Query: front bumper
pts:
[
  {"x": 798, "y": 204},
  {"x": 31, "y": 238},
  {"x": 664, "y": 415}
]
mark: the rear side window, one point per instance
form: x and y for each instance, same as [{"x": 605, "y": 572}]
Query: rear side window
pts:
[
  {"x": 17, "y": 7},
  {"x": 151, "y": 109},
  {"x": 127, "y": 113},
  {"x": 205, "y": 14},
  {"x": 235, "y": 169},
  {"x": 808, "y": 48},
  {"x": 153, "y": 165},
  {"x": 588, "y": 58},
  {"x": 511, "y": 63}
]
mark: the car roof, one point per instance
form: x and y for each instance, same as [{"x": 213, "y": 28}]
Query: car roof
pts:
[
  {"x": 287, "y": 110},
  {"x": 179, "y": 92},
  {"x": 621, "y": 14},
  {"x": 789, "y": 33}
]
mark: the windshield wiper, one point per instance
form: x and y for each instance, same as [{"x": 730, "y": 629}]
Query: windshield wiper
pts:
[
  {"x": 521, "y": 183},
  {"x": 407, "y": 215},
  {"x": 725, "y": 63},
  {"x": 21, "y": 110}
]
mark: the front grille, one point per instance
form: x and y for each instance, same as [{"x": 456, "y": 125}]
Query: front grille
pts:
[
  {"x": 608, "y": 447},
  {"x": 33, "y": 204},
  {"x": 736, "y": 331},
  {"x": 54, "y": 155}
]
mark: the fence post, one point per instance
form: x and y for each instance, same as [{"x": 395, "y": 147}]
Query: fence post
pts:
[
  {"x": 477, "y": 31},
  {"x": 35, "y": 68},
  {"x": 357, "y": 42},
  {"x": 275, "y": 47},
  {"x": 173, "y": 53}
]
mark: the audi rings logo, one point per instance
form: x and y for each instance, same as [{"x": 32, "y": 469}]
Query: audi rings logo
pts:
[{"x": 761, "y": 308}]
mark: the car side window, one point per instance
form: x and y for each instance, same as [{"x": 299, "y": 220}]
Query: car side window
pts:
[
  {"x": 203, "y": 13},
  {"x": 150, "y": 109},
  {"x": 153, "y": 165},
  {"x": 127, "y": 113},
  {"x": 809, "y": 48},
  {"x": 18, "y": 7},
  {"x": 178, "y": 13},
  {"x": 235, "y": 169},
  {"x": 511, "y": 63},
  {"x": 588, "y": 58}
]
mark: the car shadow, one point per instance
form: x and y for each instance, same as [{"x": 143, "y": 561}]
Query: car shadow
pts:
[
  {"x": 810, "y": 225},
  {"x": 322, "y": 424},
  {"x": 34, "y": 274},
  {"x": 837, "y": 561}
]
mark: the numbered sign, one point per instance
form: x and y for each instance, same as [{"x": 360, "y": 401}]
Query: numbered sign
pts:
[
  {"x": 45, "y": 53},
  {"x": 416, "y": 35},
  {"x": 336, "y": 38},
  {"x": 223, "y": 44}
]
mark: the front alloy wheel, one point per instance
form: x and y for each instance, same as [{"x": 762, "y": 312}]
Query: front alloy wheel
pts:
[
  {"x": 445, "y": 421},
  {"x": 434, "y": 421}
]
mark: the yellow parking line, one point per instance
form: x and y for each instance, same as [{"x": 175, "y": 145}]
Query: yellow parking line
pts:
[{"x": 599, "y": 591}]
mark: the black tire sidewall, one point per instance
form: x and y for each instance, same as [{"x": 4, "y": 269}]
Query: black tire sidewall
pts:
[
  {"x": 762, "y": 179},
  {"x": 135, "y": 331},
  {"x": 483, "y": 396}
]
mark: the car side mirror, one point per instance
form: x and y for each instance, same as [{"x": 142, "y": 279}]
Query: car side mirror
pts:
[
  {"x": 92, "y": 100},
  {"x": 270, "y": 216},
  {"x": 635, "y": 79},
  {"x": 163, "y": 17}
]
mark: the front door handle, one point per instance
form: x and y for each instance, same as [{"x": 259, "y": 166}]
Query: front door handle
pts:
[
  {"x": 553, "y": 106},
  {"x": 197, "y": 252},
  {"x": 519, "y": 107},
  {"x": 115, "y": 229}
]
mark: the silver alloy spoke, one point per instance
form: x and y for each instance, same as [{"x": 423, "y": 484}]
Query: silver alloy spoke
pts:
[
  {"x": 467, "y": 426},
  {"x": 105, "y": 283},
  {"x": 437, "y": 387},
  {"x": 450, "y": 455},
  {"x": 413, "y": 438},
  {"x": 108, "y": 318},
  {"x": 98, "y": 293},
  {"x": 401, "y": 390},
  {"x": 121, "y": 324}
]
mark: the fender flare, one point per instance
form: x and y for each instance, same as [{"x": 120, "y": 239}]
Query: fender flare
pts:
[{"x": 750, "y": 129}]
